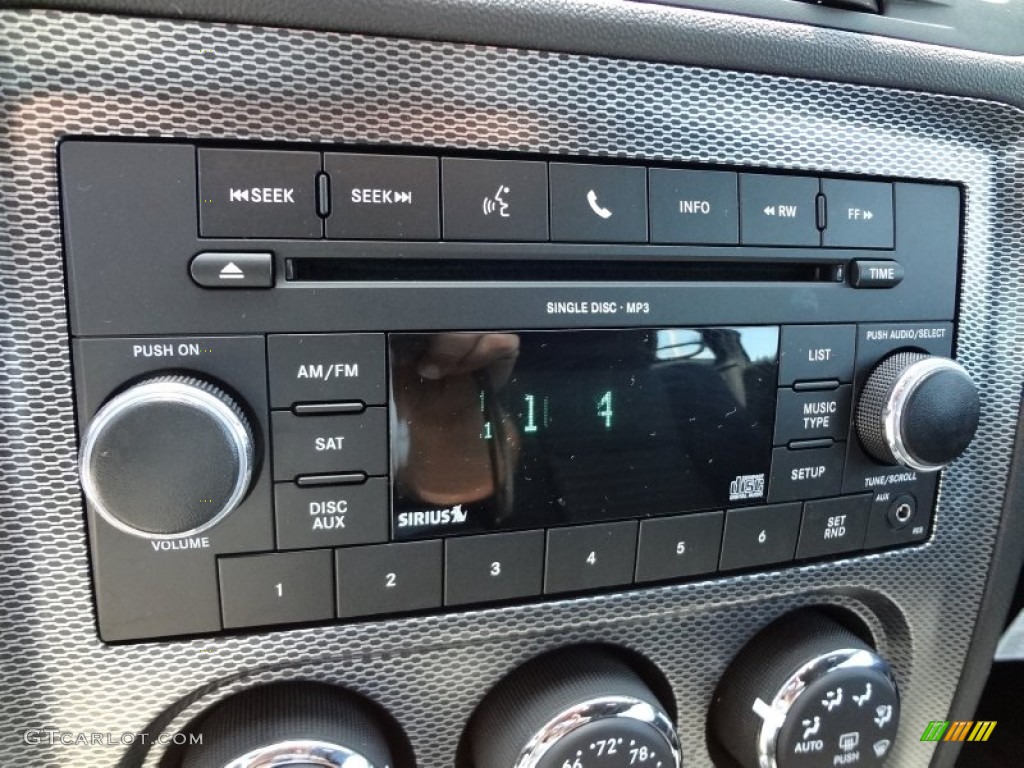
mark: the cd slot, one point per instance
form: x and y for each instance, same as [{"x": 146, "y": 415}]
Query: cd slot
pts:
[{"x": 513, "y": 271}]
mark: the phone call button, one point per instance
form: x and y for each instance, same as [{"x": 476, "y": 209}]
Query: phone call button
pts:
[{"x": 598, "y": 203}]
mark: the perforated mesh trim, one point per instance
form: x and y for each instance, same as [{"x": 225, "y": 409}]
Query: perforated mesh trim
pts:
[{"x": 93, "y": 75}]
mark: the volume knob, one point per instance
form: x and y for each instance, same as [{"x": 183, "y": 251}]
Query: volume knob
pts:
[
  {"x": 167, "y": 458},
  {"x": 917, "y": 410}
]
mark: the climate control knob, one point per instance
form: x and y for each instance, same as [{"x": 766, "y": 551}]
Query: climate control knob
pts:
[
  {"x": 168, "y": 457},
  {"x": 804, "y": 693},
  {"x": 917, "y": 410},
  {"x": 300, "y": 724},
  {"x": 580, "y": 707}
]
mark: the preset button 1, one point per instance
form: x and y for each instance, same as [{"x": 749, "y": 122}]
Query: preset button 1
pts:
[{"x": 276, "y": 588}]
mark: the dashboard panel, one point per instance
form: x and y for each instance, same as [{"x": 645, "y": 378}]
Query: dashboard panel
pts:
[{"x": 116, "y": 239}]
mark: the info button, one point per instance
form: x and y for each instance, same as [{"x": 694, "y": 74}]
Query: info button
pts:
[{"x": 693, "y": 207}]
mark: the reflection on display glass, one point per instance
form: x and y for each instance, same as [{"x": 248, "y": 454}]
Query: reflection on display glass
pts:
[{"x": 501, "y": 430}]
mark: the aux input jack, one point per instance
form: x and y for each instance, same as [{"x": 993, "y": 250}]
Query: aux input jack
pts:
[{"x": 902, "y": 511}]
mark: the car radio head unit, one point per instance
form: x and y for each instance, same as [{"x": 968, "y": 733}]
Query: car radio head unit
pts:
[{"x": 327, "y": 385}]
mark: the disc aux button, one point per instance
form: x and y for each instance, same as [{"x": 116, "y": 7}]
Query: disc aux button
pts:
[{"x": 320, "y": 445}]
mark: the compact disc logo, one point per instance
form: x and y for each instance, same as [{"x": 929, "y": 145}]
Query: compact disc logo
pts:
[
  {"x": 746, "y": 487},
  {"x": 452, "y": 516}
]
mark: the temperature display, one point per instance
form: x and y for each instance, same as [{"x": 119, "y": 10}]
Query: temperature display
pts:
[
  {"x": 506, "y": 430},
  {"x": 610, "y": 743}
]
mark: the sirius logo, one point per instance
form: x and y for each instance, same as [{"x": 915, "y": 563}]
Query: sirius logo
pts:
[{"x": 453, "y": 516}]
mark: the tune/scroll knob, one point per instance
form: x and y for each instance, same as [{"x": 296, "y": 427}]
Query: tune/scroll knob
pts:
[
  {"x": 300, "y": 724},
  {"x": 806, "y": 692},
  {"x": 579, "y": 707},
  {"x": 168, "y": 457},
  {"x": 917, "y": 410}
]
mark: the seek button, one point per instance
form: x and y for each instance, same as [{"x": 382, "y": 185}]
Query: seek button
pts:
[{"x": 258, "y": 193}]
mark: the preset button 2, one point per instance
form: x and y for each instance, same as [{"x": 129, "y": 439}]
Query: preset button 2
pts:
[{"x": 389, "y": 578}]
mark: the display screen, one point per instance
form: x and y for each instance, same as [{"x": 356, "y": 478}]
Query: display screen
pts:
[{"x": 534, "y": 429}]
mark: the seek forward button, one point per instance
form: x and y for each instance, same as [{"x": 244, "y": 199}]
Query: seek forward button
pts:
[
  {"x": 383, "y": 197},
  {"x": 233, "y": 270}
]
